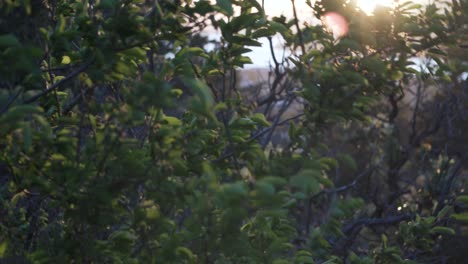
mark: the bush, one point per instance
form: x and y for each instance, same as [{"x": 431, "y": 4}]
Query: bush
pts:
[{"x": 125, "y": 140}]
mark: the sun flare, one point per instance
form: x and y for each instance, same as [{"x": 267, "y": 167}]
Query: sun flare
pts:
[{"x": 368, "y": 6}]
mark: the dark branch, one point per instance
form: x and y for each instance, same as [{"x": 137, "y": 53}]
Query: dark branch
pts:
[
  {"x": 59, "y": 83},
  {"x": 10, "y": 101}
]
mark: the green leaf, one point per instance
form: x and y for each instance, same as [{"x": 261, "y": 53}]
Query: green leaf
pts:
[
  {"x": 27, "y": 137},
  {"x": 263, "y": 32},
  {"x": 277, "y": 181},
  {"x": 303, "y": 256},
  {"x": 326, "y": 182},
  {"x": 17, "y": 197},
  {"x": 173, "y": 121},
  {"x": 3, "y": 248},
  {"x": 260, "y": 119},
  {"x": 221, "y": 107},
  {"x": 235, "y": 189},
  {"x": 244, "y": 41},
  {"x": 437, "y": 52},
  {"x": 347, "y": 160},
  {"x": 299, "y": 195},
  {"x": 123, "y": 239},
  {"x": 241, "y": 60},
  {"x": 92, "y": 121},
  {"x": 397, "y": 75},
  {"x": 183, "y": 251},
  {"x": 463, "y": 199},
  {"x": 257, "y": 5},
  {"x": 45, "y": 126},
  {"x": 265, "y": 188},
  {"x": 8, "y": 41},
  {"x": 106, "y": 4},
  {"x": 384, "y": 240},
  {"x": 409, "y": 5},
  {"x": 444, "y": 212},
  {"x": 443, "y": 230},
  {"x": 243, "y": 21},
  {"x": 225, "y": 6},
  {"x": 374, "y": 64},
  {"x": 16, "y": 113},
  {"x": 189, "y": 52},
  {"x": 136, "y": 52},
  {"x": 278, "y": 27},
  {"x": 151, "y": 210},
  {"x": 347, "y": 43},
  {"x": 61, "y": 24},
  {"x": 214, "y": 72},
  {"x": 280, "y": 261},
  {"x": 307, "y": 181},
  {"x": 328, "y": 163},
  {"x": 203, "y": 101},
  {"x": 176, "y": 92},
  {"x": 460, "y": 217}
]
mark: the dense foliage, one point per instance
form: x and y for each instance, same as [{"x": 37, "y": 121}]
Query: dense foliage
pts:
[{"x": 125, "y": 139}]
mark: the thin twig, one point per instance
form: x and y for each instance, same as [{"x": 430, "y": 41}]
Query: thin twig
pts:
[
  {"x": 299, "y": 31},
  {"x": 77, "y": 99},
  {"x": 333, "y": 191},
  {"x": 10, "y": 101},
  {"x": 62, "y": 81},
  {"x": 276, "y": 122},
  {"x": 415, "y": 111}
]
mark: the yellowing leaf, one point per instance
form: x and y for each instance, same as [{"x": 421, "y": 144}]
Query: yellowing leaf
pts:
[
  {"x": 152, "y": 212},
  {"x": 3, "y": 247},
  {"x": 66, "y": 60},
  {"x": 173, "y": 121},
  {"x": 15, "y": 199},
  {"x": 84, "y": 78}
]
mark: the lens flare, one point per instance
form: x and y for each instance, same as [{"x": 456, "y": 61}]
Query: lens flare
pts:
[{"x": 336, "y": 23}]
